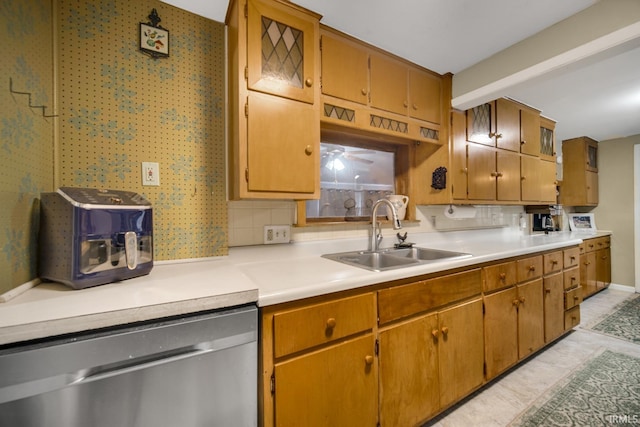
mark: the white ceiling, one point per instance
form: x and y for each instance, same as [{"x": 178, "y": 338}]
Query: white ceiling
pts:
[{"x": 597, "y": 95}]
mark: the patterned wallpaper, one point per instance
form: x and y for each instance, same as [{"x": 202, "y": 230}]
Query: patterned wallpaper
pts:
[
  {"x": 117, "y": 108},
  {"x": 26, "y": 137}
]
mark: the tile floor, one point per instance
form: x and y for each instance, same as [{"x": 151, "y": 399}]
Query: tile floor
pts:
[{"x": 501, "y": 401}]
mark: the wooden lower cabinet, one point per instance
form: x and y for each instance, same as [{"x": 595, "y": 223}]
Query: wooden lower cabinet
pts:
[
  {"x": 430, "y": 362},
  {"x": 335, "y": 386},
  {"x": 398, "y": 353},
  {"x": 595, "y": 265},
  {"x": 553, "y": 288}
]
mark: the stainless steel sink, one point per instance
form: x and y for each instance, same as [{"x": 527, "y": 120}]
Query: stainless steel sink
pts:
[{"x": 388, "y": 259}]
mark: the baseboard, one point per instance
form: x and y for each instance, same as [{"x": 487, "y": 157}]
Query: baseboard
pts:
[{"x": 622, "y": 287}]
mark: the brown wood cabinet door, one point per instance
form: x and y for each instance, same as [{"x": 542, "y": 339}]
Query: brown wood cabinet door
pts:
[
  {"x": 553, "y": 306},
  {"x": 336, "y": 386},
  {"x": 408, "y": 372},
  {"x": 588, "y": 273},
  {"x": 592, "y": 188},
  {"x": 345, "y": 70},
  {"x": 281, "y": 51},
  {"x": 548, "y": 181},
  {"x": 508, "y": 179},
  {"x": 283, "y": 151},
  {"x": 388, "y": 84},
  {"x": 530, "y": 318},
  {"x": 529, "y": 132},
  {"x": 425, "y": 95},
  {"x": 530, "y": 178},
  {"x": 500, "y": 331},
  {"x": 603, "y": 267},
  {"x": 481, "y": 124},
  {"x": 460, "y": 350},
  {"x": 481, "y": 170},
  {"x": 507, "y": 125},
  {"x": 458, "y": 156}
]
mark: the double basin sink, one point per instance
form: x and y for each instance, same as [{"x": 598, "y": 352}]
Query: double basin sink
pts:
[{"x": 389, "y": 259}]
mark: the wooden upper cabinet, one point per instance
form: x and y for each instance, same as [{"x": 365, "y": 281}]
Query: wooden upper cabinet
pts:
[
  {"x": 580, "y": 172},
  {"x": 530, "y": 178},
  {"x": 548, "y": 181},
  {"x": 481, "y": 166},
  {"x": 530, "y": 132},
  {"x": 458, "y": 156},
  {"x": 345, "y": 69},
  {"x": 547, "y": 139},
  {"x": 481, "y": 124},
  {"x": 281, "y": 50},
  {"x": 282, "y": 158},
  {"x": 425, "y": 96},
  {"x": 508, "y": 125},
  {"x": 388, "y": 84}
]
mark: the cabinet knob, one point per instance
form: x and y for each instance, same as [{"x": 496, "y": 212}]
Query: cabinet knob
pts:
[
  {"x": 435, "y": 333},
  {"x": 573, "y": 279},
  {"x": 532, "y": 268},
  {"x": 547, "y": 290},
  {"x": 308, "y": 150},
  {"x": 554, "y": 261},
  {"x": 444, "y": 330},
  {"x": 363, "y": 91},
  {"x": 493, "y": 134},
  {"x": 523, "y": 142},
  {"x": 522, "y": 178},
  {"x": 415, "y": 107},
  {"x": 406, "y": 104},
  {"x": 308, "y": 82},
  {"x": 331, "y": 323},
  {"x": 515, "y": 303},
  {"x": 576, "y": 297},
  {"x": 494, "y": 174},
  {"x": 522, "y": 300},
  {"x": 368, "y": 359},
  {"x": 503, "y": 277}
]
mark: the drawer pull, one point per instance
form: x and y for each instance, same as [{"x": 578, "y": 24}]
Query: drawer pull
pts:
[
  {"x": 368, "y": 359},
  {"x": 515, "y": 303},
  {"x": 331, "y": 323},
  {"x": 576, "y": 297},
  {"x": 445, "y": 330},
  {"x": 522, "y": 300},
  {"x": 547, "y": 290},
  {"x": 435, "y": 333},
  {"x": 532, "y": 268},
  {"x": 554, "y": 261},
  {"x": 503, "y": 276}
]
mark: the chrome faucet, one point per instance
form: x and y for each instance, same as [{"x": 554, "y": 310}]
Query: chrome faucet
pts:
[{"x": 376, "y": 233}]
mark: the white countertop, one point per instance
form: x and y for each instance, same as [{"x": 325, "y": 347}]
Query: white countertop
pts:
[{"x": 265, "y": 275}]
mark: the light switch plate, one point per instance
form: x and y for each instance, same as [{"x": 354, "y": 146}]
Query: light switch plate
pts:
[{"x": 150, "y": 173}]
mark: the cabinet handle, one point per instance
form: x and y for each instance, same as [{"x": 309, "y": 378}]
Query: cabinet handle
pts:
[
  {"x": 554, "y": 261},
  {"x": 415, "y": 107},
  {"x": 522, "y": 178},
  {"x": 522, "y": 300},
  {"x": 494, "y": 174},
  {"x": 515, "y": 303},
  {"x": 503, "y": 276},
  {"x": 309, "y": 82},
  {"x": 445, "y": 330},
  {"x": 532, "y": 268},
  {"x": 497, "y": 135},
  {"x": 308, "y": 150},
  {"x": 406, "y": 104},
  {"x": 573, "y": 279},
  {"x": 363, "y": 91},
  {"x": 547, "y": 290},
  {"x": 500, "y": 174},
  {"x": 368, "y": 359},
  {"x": 576, "y": 297},
  {"x": 435, "y": 333},
  {"x": 331, "y": 323},
  {"x": 523, "y": 142},
  {"x": 465, "y": 170}
]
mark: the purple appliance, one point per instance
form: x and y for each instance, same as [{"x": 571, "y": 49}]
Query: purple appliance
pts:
[{"x": 90, "y": 237}]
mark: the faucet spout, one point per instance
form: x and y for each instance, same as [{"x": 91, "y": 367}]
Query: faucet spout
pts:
[{"x": 376, "y": 235}]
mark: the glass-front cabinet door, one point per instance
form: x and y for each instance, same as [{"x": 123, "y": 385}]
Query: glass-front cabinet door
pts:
[{"x": 281, "y": 51}]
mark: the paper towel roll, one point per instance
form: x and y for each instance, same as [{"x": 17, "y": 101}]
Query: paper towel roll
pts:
[{"x": 459, "y": 212}]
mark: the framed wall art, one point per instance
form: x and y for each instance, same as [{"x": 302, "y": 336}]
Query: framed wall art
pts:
[
  {"x": 582, "y": 222},
  {"x": 154, "y": 40}
]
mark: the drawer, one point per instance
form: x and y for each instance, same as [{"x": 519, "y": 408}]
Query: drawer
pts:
[
  {"x": 571, "y": 257},
  {"x": 529, "y": 268},
  {"x": 552, "y": 262},
  {"x": 403, "y": 301},
  {"x": 309, "y": 326},
  {"x": 571, "y": 278},
  {"x": 572, "y": 298},
  {"x": 499, "y": 276},
  {"x": 590, "y": 245},
  {"x": 603, "y": 242},
  {"x": 572, "y": 318}
]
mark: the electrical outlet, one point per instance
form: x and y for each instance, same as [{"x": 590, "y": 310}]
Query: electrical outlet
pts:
[
  {"x": 150, "y": 173},
  {"x": 277, "y": 234}
]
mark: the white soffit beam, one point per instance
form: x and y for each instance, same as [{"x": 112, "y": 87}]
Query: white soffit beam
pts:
[{"x": 603, "y": 26}]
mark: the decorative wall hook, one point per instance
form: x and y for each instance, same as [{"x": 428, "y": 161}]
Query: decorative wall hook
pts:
[
  {"x": 41, "y": 107},
  {"x": 154, "y": 40}
]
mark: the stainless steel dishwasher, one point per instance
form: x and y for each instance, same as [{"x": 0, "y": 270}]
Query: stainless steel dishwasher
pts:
[{"x": 198, "y": 370}]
